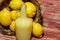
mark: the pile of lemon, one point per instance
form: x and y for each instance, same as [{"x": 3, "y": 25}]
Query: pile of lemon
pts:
[{"x": 7, "y": 17}]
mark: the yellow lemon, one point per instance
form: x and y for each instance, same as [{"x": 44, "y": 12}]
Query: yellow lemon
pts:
[
  {"x": 12, "y": 26},
  {"x": 16, "y": 4},
  {"x": 37, "y": 29},
  {"x": 18, "y": 13},
  {"x": 0, "y": 20},
  {"x": 5, "y": 17},
  {"x": 15, "y": 14},
  {"x": 30, "y": 9}
]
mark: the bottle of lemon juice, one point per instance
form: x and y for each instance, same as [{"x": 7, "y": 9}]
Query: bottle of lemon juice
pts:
[{"x": 23, "y": 25}]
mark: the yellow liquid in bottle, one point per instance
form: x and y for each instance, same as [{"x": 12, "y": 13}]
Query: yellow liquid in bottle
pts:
[
  {"x": 23, "y": 30},
  {"x": 23, "y": 27}
]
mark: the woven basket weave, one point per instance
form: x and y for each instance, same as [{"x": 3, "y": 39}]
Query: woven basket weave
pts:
[{"x": 5, "y": 35}]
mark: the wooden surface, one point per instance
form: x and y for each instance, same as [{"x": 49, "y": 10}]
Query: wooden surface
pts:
[{"x": 48, "y": 35}]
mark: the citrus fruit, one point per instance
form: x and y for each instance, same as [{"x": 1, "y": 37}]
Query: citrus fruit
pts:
[
  {"x": 12, "y": 26},
  {"x": 18, "y": 13},
  {"x": 15, "y": 14},
  {"x": 30, "y": 9},
  {"x": 0, "y": 20},
  {"x": 16, "y": 4},
  {"x": 5, "y": 17},
  {"x": 37, "y": 29}
]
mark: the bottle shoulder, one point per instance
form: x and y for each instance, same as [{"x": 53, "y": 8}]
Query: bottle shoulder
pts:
[{"x": 23, "y": 20}]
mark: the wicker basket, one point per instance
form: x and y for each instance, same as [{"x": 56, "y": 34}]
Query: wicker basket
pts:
[{"x": 6, "y": 34}]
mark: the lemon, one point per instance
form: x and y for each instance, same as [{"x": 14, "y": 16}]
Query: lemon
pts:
[
  {"x": 15, "y": 14},
  {"x": 37, "y": 29},
  {"x": 5, "y": 17},
  {"x": 0, "y": 20},
  {"x": 12, "y": 26},
  {"x": 16, "y": 4},
  {"x": 30, "y": 9},
  {"x": 18, "y": 13}
]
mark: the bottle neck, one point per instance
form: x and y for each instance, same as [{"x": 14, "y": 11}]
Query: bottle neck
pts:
[{"x": 23, "y": 11}]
